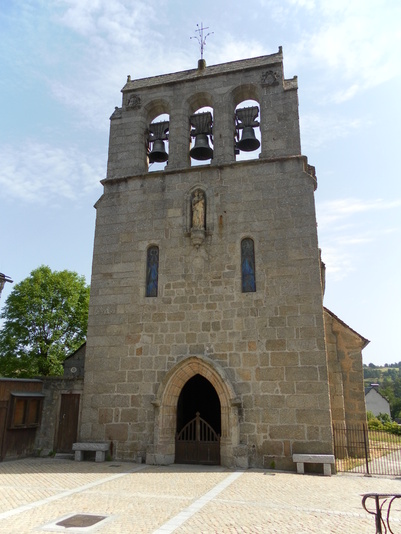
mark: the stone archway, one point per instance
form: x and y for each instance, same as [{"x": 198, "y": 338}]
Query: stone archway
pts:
[{"x": 166, "y": 410}]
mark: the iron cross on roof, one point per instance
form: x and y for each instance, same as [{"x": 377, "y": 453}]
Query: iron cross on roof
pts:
[{"x": 200, "y": 38}]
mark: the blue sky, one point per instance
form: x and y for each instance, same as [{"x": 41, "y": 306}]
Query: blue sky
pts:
[{"x": 63, "y": 63}]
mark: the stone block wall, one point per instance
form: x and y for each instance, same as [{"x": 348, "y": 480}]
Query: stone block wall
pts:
[
  {"x": 264, "y": 352},
  {"x": 270, "y": 343},
  {"x": 344, "y": 353}
]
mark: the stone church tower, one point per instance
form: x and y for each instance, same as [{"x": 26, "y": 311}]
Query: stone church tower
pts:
[{"x": 206, "y": 339}]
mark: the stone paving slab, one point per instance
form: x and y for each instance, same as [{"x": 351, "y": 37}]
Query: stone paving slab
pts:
[
  {"x": 34, "y": 493},
  {"x": 287, "y": 503}
]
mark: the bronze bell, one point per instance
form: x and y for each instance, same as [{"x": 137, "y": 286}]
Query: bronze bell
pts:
[
  {"x": 201, "y": 151},
  {"x": 248, "y": 141},
  {"x": 158, "y": 153}
]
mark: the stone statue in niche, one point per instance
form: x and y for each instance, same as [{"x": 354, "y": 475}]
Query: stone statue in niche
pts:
[
  {"x": 198, "y": 217},
  {"x": 198, "y": 210}
]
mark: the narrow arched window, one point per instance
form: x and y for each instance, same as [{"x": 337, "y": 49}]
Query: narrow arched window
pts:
[
  {"x": 152, "y": 271},
  {"x": 248, "y": 266}
]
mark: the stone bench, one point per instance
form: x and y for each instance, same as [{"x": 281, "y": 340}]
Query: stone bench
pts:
[
  {"x": 325, "y": 459},
  {"x": 100, "y": 448}
]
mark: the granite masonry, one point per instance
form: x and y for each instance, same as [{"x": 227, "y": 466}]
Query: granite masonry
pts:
[{"x": 207, "y": 287}]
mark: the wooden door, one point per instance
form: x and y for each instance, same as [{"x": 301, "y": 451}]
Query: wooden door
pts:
[
  {"x": 68, "y": 422},
  {"x": 197, "y": 443}
]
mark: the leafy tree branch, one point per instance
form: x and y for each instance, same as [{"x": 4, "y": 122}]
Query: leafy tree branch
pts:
[{"x": 45, "y": 319}]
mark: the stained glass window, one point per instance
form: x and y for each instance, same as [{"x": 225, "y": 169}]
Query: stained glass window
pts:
[
  {"x": 248, "y": 266},
  {"x": 152, "y": 271}
]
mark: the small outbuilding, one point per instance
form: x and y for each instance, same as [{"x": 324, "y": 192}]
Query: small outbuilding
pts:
[
  {"x": 61, "y": 407},
  {"x": 375, "y": 402},
  {"x": 41, "y": 415}
]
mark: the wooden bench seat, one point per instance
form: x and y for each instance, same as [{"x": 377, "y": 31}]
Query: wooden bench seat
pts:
[
  {"x": 325, "y": 459},
  {"x": 100, "y": 448}
]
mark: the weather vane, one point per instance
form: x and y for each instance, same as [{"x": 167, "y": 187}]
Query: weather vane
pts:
[{"x": 201, "y": 40}]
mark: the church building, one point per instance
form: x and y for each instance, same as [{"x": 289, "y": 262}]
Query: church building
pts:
[{"x": 207, "y": 340}]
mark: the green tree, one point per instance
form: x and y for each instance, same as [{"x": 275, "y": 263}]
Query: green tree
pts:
[
  {"x": 46, "y": 318},
  {"x": 371, "y": 373}
]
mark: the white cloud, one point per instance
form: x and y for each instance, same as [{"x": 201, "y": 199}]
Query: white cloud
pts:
[
  {"x": 120, "y": 37},
  {"x": 336, "y": 210},
  {"x": 355, "y": 44},
  {"x": 318, "y": 129},
  {"x": 346, "y": 94},
  {"x": 232, "y": 48},
  {"x": 339, "y": 263},
  {"x": 347, "y": 233},
  {"x": 119, "y": 20},
  {"x": 115, "y": 38},
  {"x": 41, "y": 173},
  {"x": 308, "y": 4}
]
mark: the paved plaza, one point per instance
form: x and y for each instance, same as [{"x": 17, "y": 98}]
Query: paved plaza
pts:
[{"x": 60, "y": 495}]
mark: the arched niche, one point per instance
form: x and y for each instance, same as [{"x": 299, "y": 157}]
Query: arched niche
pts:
[
  {"x": 157, "y": 135},
  {"x": 208, "y": 194},
  {"x": 247, "y": 123}
]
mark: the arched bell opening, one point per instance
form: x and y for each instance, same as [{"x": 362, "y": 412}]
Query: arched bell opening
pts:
[
  {"x": 158, "y": 142},
  {"x": 201, "y": 136},
  {"x": 247, "y": 142}
]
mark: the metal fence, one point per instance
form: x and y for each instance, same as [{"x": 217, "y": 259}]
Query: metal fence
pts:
[{"x": 372, "y": 452}]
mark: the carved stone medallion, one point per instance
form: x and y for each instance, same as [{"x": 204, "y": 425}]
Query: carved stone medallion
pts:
[
  {"x": 134, "y": 102},
  {"x": 270, "y": 77}
]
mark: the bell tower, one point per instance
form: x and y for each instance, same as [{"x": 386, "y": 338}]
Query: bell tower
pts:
[{"x": 206, "y": 274}]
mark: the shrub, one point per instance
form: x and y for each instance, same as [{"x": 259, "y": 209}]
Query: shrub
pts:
[
  {"x": 375, "y": 424},
  {"x": 384, "y": 418},
  {"x": 393, "y": 428}
]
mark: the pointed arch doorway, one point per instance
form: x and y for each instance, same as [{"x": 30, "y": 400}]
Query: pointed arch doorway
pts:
[
  {"x": 198, "y": 423},
  {"x": 162, "y": 451}
]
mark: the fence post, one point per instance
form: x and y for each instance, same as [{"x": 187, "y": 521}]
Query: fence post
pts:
[{"x": 366, "y": 447}]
